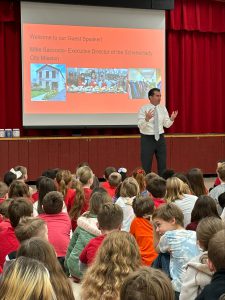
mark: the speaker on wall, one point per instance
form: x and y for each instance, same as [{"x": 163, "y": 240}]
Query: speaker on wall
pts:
[{"x": 163, "y": 4}]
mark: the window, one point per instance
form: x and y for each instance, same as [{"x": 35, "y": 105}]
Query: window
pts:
[
  {"x": 53, "y": 74},
  {"x": 47, "y": 74}
]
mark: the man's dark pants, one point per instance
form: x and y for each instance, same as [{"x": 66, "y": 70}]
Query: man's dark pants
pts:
[{"x": 149, "y": 147}]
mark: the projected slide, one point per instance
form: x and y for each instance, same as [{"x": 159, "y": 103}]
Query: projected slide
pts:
[{"x": 75, "y": 70}]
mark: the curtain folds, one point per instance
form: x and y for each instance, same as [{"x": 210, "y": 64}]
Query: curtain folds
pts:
[
  {"x": 199, "y": 15},
  {"x": 195, "y": 67}
]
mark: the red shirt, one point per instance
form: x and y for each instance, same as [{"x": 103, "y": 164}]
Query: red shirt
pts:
[
  {"x": 8, "y": 241},
  {"x": 158, "y": 201},
  {"x": 110, "y": 189},
  {"x": 142, "y": 230},
  {"x": 59, "y": 226},
  {"x": 87, "y": 195},
  {"x": 69, "y": 197},
  {"x": 88, "y": 254},
  {"x": 34, "y": 197},
  {"x": 217, "y": 181}
]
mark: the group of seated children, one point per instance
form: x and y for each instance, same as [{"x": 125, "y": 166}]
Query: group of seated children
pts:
[{"x": 131, "y": 238}]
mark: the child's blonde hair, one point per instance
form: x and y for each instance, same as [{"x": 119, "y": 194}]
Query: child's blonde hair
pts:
[
  {"x": 169, "y": 211},
  {"x": 116, "y": 258},
  {"x": 221, "y": 171},
  {"x": 84, "y": 176},
  {"x": 43, "y": 251},
  {"x": 26, "y": 279},
  {"x": 23, "y": 170},
  {"x": 145, "y": 284},
  {"x": 206, "y": 228},
  {"x": 175, "y": 189},
  {"x": 129, "y": 188}
]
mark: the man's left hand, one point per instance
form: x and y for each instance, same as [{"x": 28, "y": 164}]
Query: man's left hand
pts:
[{"x": 174, "y": 115}]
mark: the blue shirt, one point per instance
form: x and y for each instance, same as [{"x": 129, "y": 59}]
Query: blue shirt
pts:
[{"x": 182, "y": 247}]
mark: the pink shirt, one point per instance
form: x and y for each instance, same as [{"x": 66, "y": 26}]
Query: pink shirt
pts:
[{"x": 59, "y": 226}]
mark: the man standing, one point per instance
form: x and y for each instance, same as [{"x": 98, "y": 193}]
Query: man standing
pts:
[{"x": 152, "y": 118}]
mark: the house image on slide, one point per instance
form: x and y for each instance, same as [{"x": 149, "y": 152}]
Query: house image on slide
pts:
[
  {"x": 50, "y": 77},
  {"x": 50, "y": 82}
]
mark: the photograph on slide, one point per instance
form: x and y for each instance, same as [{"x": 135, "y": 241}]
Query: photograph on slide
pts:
[
  {"x": 48, "y": 82},
  {"x": 89, "y": 80}
]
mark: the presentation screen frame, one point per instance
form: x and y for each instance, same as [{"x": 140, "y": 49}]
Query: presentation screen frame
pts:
[{"x": 101, "y": 20}]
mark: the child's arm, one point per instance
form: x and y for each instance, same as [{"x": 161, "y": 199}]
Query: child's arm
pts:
[
  {"x": 83, "y": 260},
  {"x": 70, "y": 250},
  {"x": 156, "y": 238},
  {"x": 161, "y": 243}
]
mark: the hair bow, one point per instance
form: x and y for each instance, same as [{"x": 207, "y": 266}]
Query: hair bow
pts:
[
  {"x": 122, "y": 170},
  {"x": 17, "y": 173}
]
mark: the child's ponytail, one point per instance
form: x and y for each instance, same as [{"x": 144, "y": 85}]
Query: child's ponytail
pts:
[{"x": 79, "y": 201}]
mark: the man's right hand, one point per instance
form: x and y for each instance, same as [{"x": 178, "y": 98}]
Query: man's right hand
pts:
[{"x": 149, "y": 114}]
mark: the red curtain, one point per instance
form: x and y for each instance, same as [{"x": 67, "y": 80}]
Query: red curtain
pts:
[
  {"x": 196, "y": 66},
  {"x": 195, "y": 69},
  {"x": 10, "y": 65}
]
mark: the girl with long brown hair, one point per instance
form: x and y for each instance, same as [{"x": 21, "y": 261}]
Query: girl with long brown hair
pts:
[
  {"x": 77, "y": 205},
  {"x": 44, "y": 252},
  {"x": 116, "y": 258}
]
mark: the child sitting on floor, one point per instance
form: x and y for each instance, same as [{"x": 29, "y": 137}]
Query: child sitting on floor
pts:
[
  {"x": 58, "y": 223},
  {"x": 142, "y": 229},
  {"x": 157, "y": 189},
  {"x": 85, "y": 231},
  {"x": 197, "y": 274},
  {"x": 145, "y": 284},
  {"x": 107, "y": 172},
  {"x": 216, "y": 262},
  {"x": 18, "y": 208},
  {"x": 129, "y": 190},
  {"x": 110, "y": 219},
  {"x": 171, "y": 237}
]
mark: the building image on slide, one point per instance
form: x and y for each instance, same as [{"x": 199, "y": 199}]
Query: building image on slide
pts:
[{"x": 48, "y": 82}]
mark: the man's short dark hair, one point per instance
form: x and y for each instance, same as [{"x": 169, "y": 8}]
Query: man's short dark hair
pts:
[
  {"x": 20, "y": 207},
  {"x": 53, "y": 202},
  {"x": 157, "y": 187},
  {"x": 152, "y": 92},
  {"x": 143, "y": 206},
  {"x": 110, "y": 216}
]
